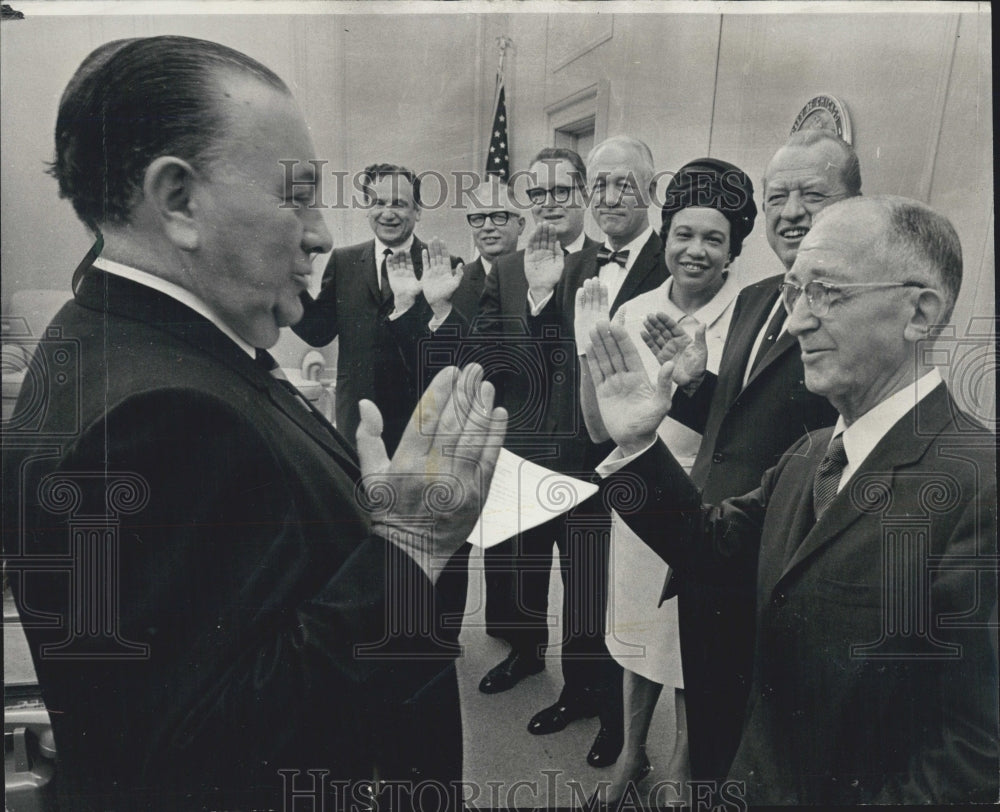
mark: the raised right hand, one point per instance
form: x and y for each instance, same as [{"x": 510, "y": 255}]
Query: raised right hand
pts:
[
  {"x": 543, "y": 261},
  {"x": 631, "y": 406}
]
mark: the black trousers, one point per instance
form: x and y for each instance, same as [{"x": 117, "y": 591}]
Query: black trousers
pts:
[{"x": 517, "y": 590}]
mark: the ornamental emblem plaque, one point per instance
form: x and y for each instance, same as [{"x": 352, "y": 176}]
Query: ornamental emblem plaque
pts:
[{"x": 826, "y": 113}]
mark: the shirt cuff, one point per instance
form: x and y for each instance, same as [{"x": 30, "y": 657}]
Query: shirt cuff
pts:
[
  {"x": 397, "y": 311},
  {"x": 617, "y": 460},
  {"x": 437, "y": 321},
  {"x": 535, "y": 309}
]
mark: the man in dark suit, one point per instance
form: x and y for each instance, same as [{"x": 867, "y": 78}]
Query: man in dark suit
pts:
[
  {"x": 356, "y": 301},
  {"x": 533, "y": 296},
  {"x": 748, "y": 415},
  {"x": 216, "y": 602},
  {"x": 497, "y": 224},
  {"x": 871, "y": 545}
]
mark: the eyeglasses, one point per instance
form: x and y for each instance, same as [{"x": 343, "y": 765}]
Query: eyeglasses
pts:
[
  {"x": 498, "y": 218},
  {"x": 560, "y": 194},
  {"x": 820, "y": 295}
]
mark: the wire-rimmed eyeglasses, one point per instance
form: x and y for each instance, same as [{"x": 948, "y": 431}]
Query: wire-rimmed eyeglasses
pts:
[{"x": 820, "y": 295}]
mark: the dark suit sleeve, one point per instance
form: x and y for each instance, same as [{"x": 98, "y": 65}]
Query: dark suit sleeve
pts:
[
  {"x": 713, "y": 542},
  {"x": 692, "y": 410},
  {"x": 257, "y": 612},
  {"x": 426, "y": 352},
  {"x": 318, "y": 325},
  {"x": 956, "y": 762}
]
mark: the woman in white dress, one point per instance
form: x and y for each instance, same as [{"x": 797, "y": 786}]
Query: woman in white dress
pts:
[{"x": 708, "y": 211}]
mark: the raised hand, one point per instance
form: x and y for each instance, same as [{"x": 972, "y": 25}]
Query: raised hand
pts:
[
  {"x": 543, "y": 261},
  {"x": 427, "y": 499},
  {"x": 591, "y": 307},
  {"x": 403, "y": 280},
  {"x": 631, "y": 406},
  {"x": 670, "y": 343},
  {"x": 440, "y": 280}
]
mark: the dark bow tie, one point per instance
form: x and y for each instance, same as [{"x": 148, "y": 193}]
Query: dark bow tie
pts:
[{"x": 605, "y": 255}]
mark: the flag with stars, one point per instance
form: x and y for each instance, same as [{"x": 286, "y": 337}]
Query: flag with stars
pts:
[{"x": 498, "y": 157}]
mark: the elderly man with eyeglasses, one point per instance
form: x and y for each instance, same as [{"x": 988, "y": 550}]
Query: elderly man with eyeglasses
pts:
[{"x": 871, "y": 546}]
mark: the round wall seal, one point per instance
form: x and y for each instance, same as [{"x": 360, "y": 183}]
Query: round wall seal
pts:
[{"x": 826, "y": 113}]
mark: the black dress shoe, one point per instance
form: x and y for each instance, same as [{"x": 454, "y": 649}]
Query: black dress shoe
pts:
[
  {"x": 605, "y": 749},
  {"x": 555, "y": 717},
  {"x": 507, "y": 674}
]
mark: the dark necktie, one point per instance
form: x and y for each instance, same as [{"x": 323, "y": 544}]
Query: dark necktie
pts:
[
  {"x": 606, "y": 255},
  {"x": 770, "y": 336},
  {"x": 266, "y": 360},
  {"x": 828, "y": 475},
  {"x": 384, "y": 275}
]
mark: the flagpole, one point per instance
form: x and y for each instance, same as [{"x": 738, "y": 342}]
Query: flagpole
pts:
[{"x": 503, "y": 43}]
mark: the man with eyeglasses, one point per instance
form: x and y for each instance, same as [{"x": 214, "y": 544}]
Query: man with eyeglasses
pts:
[
  {"x": 755, "y": 408},
  {"x": 539, "y": 288},
  {"x": 871, "y": 546},
  {"x": 496, "y": 223},
  {"x": 517, "y": 571}
]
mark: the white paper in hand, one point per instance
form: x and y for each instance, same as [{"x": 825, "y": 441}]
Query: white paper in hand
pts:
[{"x": 522, "y": 495}]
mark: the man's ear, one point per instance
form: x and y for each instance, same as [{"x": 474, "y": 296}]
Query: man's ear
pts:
[
  {"x": 169, "y": 188},
  {"x": 520, "y": 227},
  {"x": 928, "y": 311}
]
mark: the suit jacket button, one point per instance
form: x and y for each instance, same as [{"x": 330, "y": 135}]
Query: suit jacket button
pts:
[
  {"x": 718, "y": 456},
  {"x": 779, "y": 599}
]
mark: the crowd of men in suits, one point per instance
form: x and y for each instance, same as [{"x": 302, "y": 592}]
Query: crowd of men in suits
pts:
[{"x": 289, "y": 580}]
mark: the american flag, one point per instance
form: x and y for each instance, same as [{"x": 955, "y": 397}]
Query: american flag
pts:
[{"x": 498, "y": 158}]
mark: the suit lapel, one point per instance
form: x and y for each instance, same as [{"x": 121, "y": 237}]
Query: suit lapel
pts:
[
  {"x": 754, "y": 310},
  {"x": 786, "y": 343},
  {"x": 643, "y": 266},
  {"x": 107, "y": 292},
  {"x": 900, "y": 447}
]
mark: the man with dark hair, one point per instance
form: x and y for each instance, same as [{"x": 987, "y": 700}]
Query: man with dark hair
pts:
[
  {"x": 358, "y": 299},
  {"x": 870, "y": 546},
  {"x": 216, "y": 600},
  {"x": 748, "y": 415},
  {"x": 533, "y": 295}
]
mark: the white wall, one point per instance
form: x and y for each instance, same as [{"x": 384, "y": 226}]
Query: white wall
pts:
[{"x": 417, "y": 89}]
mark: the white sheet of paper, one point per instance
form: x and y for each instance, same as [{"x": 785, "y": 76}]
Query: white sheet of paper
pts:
[{"x": 522, "y": 495}]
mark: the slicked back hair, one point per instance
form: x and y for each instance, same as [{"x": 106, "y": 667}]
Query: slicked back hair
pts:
[
  {"x": 850, "y": 168},
  {"x": 132, "y": 101},
  {"x": 552, "y": 154}
]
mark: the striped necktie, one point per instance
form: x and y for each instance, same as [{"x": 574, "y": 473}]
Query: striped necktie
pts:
[{"x": 828, "y": 475}]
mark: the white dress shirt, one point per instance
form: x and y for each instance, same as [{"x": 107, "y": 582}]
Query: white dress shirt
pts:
[
  {"x": 612, "y": 275},
  {"x": 861, "y": 437}
]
